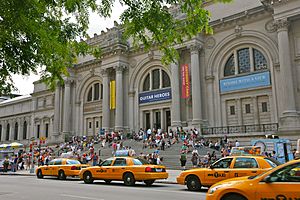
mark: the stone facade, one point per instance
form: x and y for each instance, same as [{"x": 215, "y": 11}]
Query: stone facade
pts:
[{"x": 244, "y": 75}]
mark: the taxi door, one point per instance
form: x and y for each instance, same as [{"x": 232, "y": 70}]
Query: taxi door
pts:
[
  {"x": 282, "y": 184},
  {"x": 218, "y": 171},
  {"x": 47, "y": 169},
  {"x": 244, "y": 166},
  {"x": 55, "y": 167},
  {"x": 104, "y": 170},
  {"x": 118, "y": 168}
]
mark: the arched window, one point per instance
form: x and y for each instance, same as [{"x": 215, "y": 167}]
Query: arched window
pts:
[
  {"x": 156, "y": 79},
  {"x": 95, "y": 92},
  {"x": 90, "y": 95},
  {"x": 16, "y": 131},
  {"x": 166, "y": 80},
  {"x": 229, "y": 66},
  {"x": 146, "y": 85},
  {"x": 25, "y": 131},
  {"x": 245, "y": 60},
  {"x": 7, "y": 132}
]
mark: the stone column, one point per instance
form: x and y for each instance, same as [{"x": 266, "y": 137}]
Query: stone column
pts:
[
  {"x": 175, "y": 107},
  {"x": 131, "y": 95},
  {"x": 33, "y": 125},
  {"x": 105, "y": 102},
  {"x": 66, "y": 113},
  {"x": 289, "y": 116},
  {"x": 56, "y": 111},
  {"x": 196, "y": 85},
  {"x": 255, "y": 110},
  {"x": 119, "y": 98},
  {"x": 3, "y": 131},
  {"x": 20, "y": 129},
  {"x": 239, "y": 110},
  {"x": 12, "y": 130},
  {"x": 162, "y": 119}
]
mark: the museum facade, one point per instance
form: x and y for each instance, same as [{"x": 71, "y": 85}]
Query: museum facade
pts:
[{"x": 243, "y": 81}]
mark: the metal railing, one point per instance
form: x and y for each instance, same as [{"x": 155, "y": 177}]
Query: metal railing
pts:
[{"x": 240, "y": 129}]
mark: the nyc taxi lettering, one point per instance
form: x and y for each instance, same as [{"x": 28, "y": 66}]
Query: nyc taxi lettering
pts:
[
  {"x": 101, "y": 171},
  {"x": 217, "y": 175},
  {"x": 281, "y": 197}
]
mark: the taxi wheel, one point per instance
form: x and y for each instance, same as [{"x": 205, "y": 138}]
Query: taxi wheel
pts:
[
  {"x": 193, "y": 183},
  {"x": 233, "y": 196},
  {"x": 149, "y": 182},
  {"x": 87, "y": 177},
  {"x": 61, "y": 175},
  {"x": 40, "y": 174},
  {"x": 129, "y": 179},
  {"x": 107, "y": 181}
]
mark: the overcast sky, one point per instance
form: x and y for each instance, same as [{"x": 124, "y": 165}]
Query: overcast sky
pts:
[{"x": 97, "y": 24}]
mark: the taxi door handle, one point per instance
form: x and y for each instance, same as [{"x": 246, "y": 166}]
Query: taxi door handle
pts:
[
  {"x": 123, "y": 168},
  {"x": 254, "y": 171},
  {"x": 226, "y": 171}
]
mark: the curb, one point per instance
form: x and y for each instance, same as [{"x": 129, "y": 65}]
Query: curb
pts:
[{"x": 17, "y": 174}]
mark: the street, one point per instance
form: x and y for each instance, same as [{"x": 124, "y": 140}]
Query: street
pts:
[{"x": 28, "y": 187}]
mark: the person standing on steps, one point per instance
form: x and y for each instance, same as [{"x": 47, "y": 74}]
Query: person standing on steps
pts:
[{"x": 183, "y": 159}]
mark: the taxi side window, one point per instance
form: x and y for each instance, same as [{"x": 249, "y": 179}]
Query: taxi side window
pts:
[
  {"x": 245, "y": 163},
  {"x": 120, "y": 162},
  {"x": 289, "y": 173},
  {"x": 107, "y": 162},
  {"x": 51, "y": 162},
  {"x": 58, "y": 162},
  {"x": 224, "y": 163}
]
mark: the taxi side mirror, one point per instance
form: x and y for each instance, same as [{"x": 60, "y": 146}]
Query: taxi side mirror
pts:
[
  {"x": 267, "y": 179},
  {"x": 211, "y": 167}
]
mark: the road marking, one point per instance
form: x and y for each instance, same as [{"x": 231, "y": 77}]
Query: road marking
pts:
[{"x": 79, "y": 197}]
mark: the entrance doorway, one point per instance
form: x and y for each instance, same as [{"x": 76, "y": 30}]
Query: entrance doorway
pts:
[
  {"x": 157, "y": 120},
  {"x": 147, "y": 120},
  {"x": 168, "y": 119}
]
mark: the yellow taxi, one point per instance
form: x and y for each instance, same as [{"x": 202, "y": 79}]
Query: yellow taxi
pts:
[
  {"x": 282, "y": 183},
  {"x": 127, "y": 169},
  {"x": 61, "y": 168},
  {"x": 225, "y": 168}
]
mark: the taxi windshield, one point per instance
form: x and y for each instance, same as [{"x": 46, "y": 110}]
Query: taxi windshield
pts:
[{"x": 72, "y": 162}]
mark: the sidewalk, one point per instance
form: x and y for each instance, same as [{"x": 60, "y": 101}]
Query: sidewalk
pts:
[{"x": 171, "y": 180}]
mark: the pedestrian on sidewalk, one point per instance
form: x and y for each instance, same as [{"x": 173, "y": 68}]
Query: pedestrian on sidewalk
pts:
[{"x": 183, "y": 159}]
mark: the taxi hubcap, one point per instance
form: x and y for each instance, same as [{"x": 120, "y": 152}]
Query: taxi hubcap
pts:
[
  {"x": 193, "y": 183},
  {"x": 88, "y": 177},
  {"x": 128, "y": 179}
]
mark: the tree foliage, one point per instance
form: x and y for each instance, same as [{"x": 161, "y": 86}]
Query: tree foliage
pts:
[{"x": 44, "y": 33}]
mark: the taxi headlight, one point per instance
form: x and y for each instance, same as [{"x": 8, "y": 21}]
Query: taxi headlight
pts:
[{"x": 212, "y": 190}]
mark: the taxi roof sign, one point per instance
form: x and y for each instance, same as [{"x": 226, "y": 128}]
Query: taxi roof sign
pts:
[
  {"x": 122, "y": 153},
  {"x": 245, "y": 151}
]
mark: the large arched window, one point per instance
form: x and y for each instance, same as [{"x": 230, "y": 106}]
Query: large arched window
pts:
[
  {"x": 245, "y": 60},
  {"x": 25, "y": 130},
  {"x": 7, "y": 132},
  {"x": 16, "y": 131},
  {"x": 95, "y": 92},
  {"x": 156, "y": 79}
]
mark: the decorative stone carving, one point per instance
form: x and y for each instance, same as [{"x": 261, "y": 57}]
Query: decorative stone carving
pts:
[
  {"x": 104, "y": 72},
  {"x": 210, "y": 43},
  {"x": 195, "y": 48},
  {"x": 270, "y": 26},
  {"x": 133, "y": 62},
  {"x": 282, "y": 25},
  {"x": 150, "y": 55},
  {"x": 238, "y": 31}
]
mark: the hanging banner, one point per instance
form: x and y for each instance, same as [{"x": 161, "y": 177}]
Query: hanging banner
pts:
[
  {"x": 112, "y": 95},
  {"x": 185, "y": 81}
]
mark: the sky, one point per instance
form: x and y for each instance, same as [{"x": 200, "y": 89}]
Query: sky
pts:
[{"x": 24, "y": 84}]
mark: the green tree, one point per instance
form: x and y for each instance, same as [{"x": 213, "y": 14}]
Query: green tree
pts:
[{"x": 44, "y": 33}]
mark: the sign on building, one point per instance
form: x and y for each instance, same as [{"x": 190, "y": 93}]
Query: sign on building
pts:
[{"x": 155, "y": 96}]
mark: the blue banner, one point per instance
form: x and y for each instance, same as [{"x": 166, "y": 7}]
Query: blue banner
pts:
[
  {"x": 154, "y": 96},
  {"x": 245, "y": 82}
]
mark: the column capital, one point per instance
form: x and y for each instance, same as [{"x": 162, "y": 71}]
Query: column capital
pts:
[
  {"x": 281, "y": 25},
  {"x": 131, "y": 93},
  {"x": 195, "y": 48},
  {"x": 68, "y": 82},
  {"x": 210, "y": 78},
  {"x": 105, "y": 72},
  {"x": 120, "y": 68}
]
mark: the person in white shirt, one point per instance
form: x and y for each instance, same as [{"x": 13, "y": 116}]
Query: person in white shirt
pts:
[{"x": 237, "y": 144}]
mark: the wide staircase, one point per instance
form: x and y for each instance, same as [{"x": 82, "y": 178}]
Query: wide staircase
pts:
[{"x": 170, "y": 155}]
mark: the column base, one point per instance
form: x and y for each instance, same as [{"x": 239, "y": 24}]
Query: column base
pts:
[
  {"x": 176, "y": 124},
  {"x": 289, "y": 121},
  {"x": 55, "y": 139},
  {"x": 119, "y": 128}
]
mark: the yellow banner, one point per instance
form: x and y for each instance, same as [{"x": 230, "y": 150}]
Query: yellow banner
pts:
[{"x": 112, "y": 95}]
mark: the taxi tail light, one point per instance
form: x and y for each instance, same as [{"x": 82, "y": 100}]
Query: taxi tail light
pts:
[
  {"x": 149, "y": 169},
  {"x": 73, "y": 168}
]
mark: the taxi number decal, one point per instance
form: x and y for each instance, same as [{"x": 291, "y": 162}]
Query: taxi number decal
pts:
[
  {"x": 216, "y": 175},
  {"x": 281, "y": 197},
  {"x": 101, "y": 171}
]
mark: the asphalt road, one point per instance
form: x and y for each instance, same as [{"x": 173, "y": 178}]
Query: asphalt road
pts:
[{"x": 31, "y": 188}]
